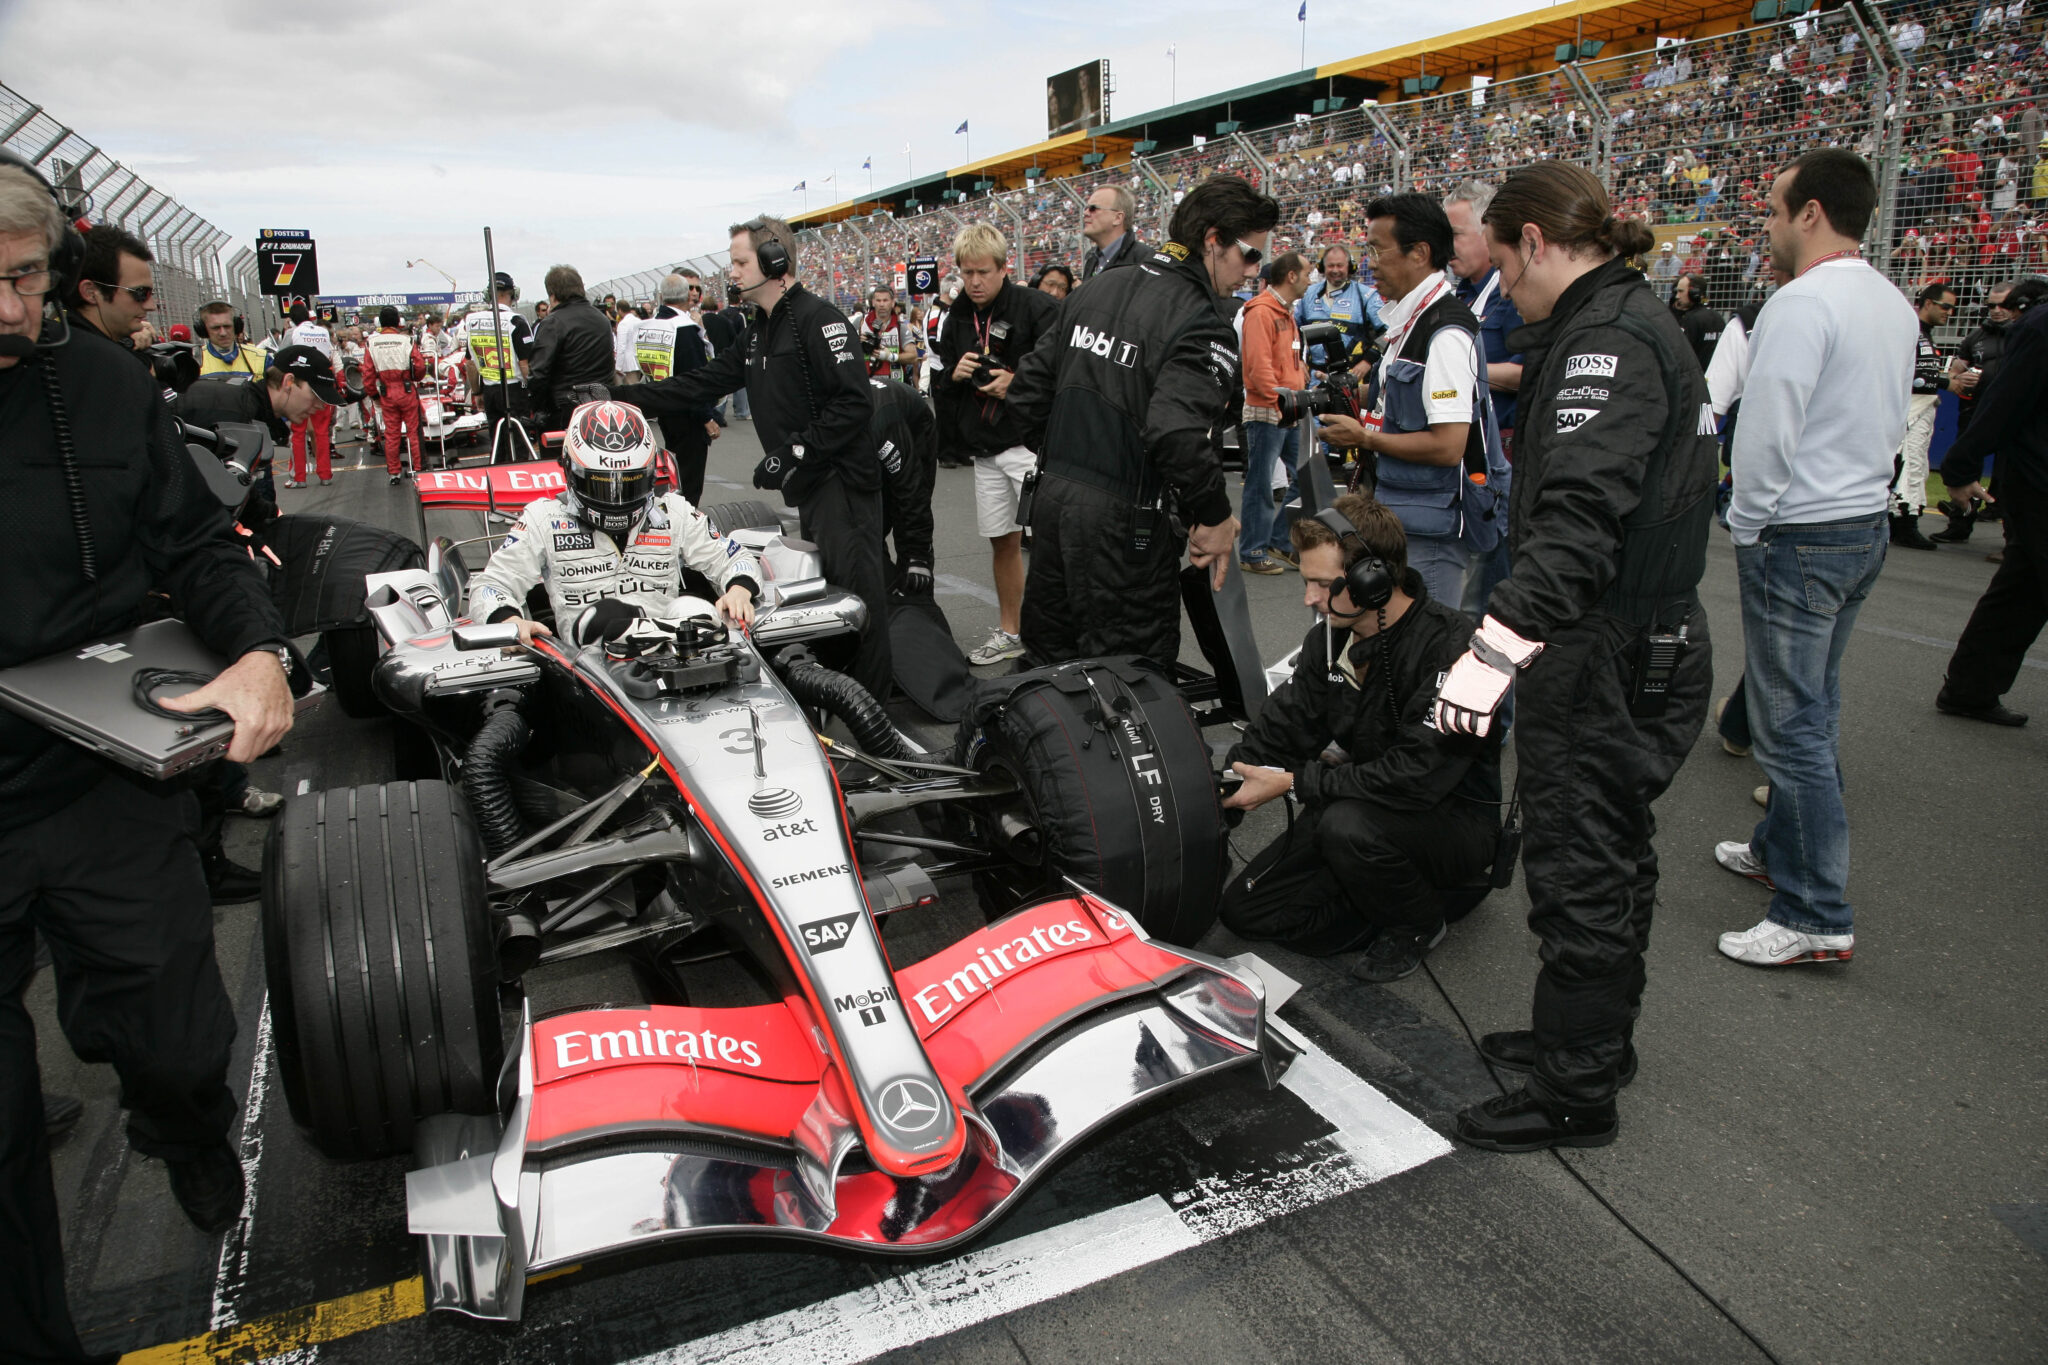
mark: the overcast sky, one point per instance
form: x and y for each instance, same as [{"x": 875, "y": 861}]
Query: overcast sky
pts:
[{"x": 610, "y": 135}]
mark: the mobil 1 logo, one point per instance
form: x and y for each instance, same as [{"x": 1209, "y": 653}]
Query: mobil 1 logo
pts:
[{"x": 867, "y": 1005}]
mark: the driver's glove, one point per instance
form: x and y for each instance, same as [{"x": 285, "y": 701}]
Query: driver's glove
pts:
[
  {"x": 917, "y": 580},
  {"x": 1478, "y": 681}
]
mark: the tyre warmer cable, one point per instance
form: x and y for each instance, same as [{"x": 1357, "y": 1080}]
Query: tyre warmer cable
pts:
[
  {"x": 1601, "y": 1199},
  {"x": 487, "y": 778},
  {"x": 830, "y": 690}
]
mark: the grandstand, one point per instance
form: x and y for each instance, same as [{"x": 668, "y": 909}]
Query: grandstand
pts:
[{"x": 1684, "y": 111}]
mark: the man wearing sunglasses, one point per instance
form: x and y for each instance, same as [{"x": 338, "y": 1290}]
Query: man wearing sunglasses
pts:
[{"x": 116, "y": 289}]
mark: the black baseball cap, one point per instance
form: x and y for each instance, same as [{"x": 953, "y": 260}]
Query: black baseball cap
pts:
[
  {"x": 310, "y": 367},
  {"x": 502, "y": 281}
]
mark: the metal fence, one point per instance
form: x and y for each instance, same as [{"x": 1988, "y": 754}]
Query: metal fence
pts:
[
  {"x": 187, "y": 247},
  {"x": 1939, "y": 95}
]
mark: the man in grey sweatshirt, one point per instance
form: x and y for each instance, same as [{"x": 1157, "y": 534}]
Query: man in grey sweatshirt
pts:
[{"x": 1824, "y": 408}]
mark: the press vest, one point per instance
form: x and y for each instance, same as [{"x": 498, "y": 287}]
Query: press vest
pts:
[{"x": 490, "y": 344}]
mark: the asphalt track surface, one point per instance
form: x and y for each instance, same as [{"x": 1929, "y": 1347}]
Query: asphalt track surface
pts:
[{"x": 1849, "y": 1158}]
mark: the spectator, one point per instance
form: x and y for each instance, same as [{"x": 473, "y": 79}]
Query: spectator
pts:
[
  {"x": 1106, "y": 223},
  {"x": 573, "y": 354},
  {"x": 1664, "y": 271},
  {"x": 1269, "y": 340},
  {"x": 1055, "y": 280},
  {"x": 1831, "y": 370},
  {"x": 994, "y": 325}
]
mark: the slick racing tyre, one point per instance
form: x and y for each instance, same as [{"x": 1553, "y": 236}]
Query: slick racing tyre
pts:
[
  {"x": 378, "y": 948},
  {"x": 352, "y": 651},
  {"x": 727, "y": 517},
  {"x": 1115, "y": 791}
]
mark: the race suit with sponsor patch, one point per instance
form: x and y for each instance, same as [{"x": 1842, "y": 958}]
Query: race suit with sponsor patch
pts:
[{"x": 550, "y": 544}]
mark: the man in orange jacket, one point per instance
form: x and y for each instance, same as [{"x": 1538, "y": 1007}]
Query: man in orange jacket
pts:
[
  {"x": 392, "y": 369},
  {"x": 1270, "y": 345}
]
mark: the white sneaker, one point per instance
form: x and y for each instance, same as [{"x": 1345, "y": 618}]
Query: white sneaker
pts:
[
  {"x": 261, "y": 804},
  {"x": 1762, "y": 796},
  {"x": 1734, "y": 855},
  {"x": 999, "y": 646},
  {"x": 1773, "y": 945}
]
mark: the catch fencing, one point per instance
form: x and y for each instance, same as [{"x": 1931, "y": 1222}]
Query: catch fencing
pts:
[{"x": 189, "y": 271}]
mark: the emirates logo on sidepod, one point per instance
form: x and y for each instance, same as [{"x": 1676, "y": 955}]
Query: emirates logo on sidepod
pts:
[{"x": 773, "y": 803}]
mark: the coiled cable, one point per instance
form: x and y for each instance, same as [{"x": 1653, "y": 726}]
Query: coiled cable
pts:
[
  {"x": 60, "y": 424},
  {"x": 148, "y": 680}
]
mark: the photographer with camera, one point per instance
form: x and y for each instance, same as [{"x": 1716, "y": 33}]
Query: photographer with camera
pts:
[
  {"x": 100, "y": 861},
  {"x": 1123, "y": 399},
  {"x": 1396, "y": 833},
  {"x": 994, "y": 322},
  {"x": 1339, "y": 297},
  {"x": 1424, "y": 389}
]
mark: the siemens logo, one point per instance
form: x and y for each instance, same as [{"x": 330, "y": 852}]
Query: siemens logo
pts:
[{"x": 816, "y": 874}]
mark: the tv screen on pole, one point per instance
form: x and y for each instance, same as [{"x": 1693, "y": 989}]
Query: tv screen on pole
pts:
[{"x": 1077, "y": 99}]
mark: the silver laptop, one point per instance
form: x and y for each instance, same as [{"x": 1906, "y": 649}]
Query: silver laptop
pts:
[{"x": 87, "y": 694}]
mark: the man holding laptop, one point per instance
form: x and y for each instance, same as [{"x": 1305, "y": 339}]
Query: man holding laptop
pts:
[{"x": 105, "y": 507}]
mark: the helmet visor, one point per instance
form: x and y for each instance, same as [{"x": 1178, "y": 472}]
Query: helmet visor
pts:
[{"x": 615, "y": 488}]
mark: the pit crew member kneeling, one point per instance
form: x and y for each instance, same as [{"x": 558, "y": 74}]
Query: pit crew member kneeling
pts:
[
  {"x": 1400, "y": 821},
  {"x": 608, "y": 535}
]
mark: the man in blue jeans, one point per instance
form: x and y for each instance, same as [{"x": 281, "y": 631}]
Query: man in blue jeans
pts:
[{"x": 1824, "y": 408}]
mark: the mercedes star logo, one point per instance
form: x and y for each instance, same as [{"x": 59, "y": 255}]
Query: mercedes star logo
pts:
[
  {"x": 909, "y": 1105},
  {"x": 773, "y": 803}
]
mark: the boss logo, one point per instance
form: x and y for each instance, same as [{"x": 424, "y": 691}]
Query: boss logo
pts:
[
  {"x": 574, "y": 540},
  {"x": 1602, "y": 365},
  {"x": 822, "y": 936}
]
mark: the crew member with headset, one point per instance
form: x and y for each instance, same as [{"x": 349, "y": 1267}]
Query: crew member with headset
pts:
[
  {"x": 1399, "y": 831},
  {"x": 1599, "y": 629},
  {"x": 673, "y": 342},
  {"x": 295, "y": 382},
  {"x": 98, "y": 860},
  {"x": 500, "y": 346},
  {"x": 224, "y": 351},
  {"x": 801, "y": 367},
  {"x": 1339, "y": 297},
  {"x": 1122, "y": 399}
]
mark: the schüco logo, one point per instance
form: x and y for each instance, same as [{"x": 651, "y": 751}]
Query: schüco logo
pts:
[{"x": 1124, "y": 353}]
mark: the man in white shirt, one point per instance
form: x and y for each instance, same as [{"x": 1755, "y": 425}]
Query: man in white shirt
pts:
[
  {"x": 319, "y": 424},
  {"x": 1823, "y": 408},
  {"x": 625, "y": 357}
]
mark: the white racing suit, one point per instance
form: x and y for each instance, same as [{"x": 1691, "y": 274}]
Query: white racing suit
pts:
[{"x": 550, "y": 544}]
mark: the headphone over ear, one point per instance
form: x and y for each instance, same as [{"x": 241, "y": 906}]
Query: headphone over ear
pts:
[
  {"x": 70, "y": 250},
  {"x": 1367, "y": 580},
  {"x": 773, "y": 258}
]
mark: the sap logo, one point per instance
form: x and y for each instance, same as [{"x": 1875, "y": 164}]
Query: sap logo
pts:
[
  {"x": 1602, "y": 365},
  {"x": 1102, "y": 344},
  {"x": 866, "y": 1004},
  {"x": 575, "y": 540},
  {"x": 1571, "y": 419},
  {"x": 816, "y": 874},
  {"x": 1585, "y": 393},
  {"x": 578, "y": 1048},
  {"x": 826, "y": 934}
]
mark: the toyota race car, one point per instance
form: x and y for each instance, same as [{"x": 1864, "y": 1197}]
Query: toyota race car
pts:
[{"x": 665, "y": 788}]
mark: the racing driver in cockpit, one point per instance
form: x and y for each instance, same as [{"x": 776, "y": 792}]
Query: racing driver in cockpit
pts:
[{"x": 608, "y": 535}]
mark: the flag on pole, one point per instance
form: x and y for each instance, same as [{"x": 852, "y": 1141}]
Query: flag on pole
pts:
[
  {"x": 963, "y": 122},
  {"x": 797, "y": 186},
  {"x": 868, "y": 165},
  {"x": 1302, "y": 17},
  {"x": 832, "y": 177}
]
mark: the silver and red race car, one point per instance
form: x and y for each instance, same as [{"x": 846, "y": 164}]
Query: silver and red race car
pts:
[{"x": 677, "y": 793}]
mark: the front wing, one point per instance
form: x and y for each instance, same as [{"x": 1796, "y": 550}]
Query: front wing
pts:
[{"x": 629, "y": 1127}]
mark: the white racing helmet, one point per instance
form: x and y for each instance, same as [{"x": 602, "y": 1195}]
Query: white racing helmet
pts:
[{"x": 609, "y": 456}]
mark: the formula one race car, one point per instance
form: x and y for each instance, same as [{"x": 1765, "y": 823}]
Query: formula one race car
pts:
[{"x": 664, "y": 788}]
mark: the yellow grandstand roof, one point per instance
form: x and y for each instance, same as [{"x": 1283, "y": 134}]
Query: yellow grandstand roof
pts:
[{"x": 1502, "y": 46}]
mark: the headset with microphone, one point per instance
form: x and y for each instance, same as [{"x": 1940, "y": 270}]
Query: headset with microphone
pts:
[
  {"x": 1367, "y": 580},
  {"x": 65, "y": 260},
  {"x": 773, "y": 259}
]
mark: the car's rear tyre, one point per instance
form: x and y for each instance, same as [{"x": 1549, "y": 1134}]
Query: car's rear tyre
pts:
[
  {"x": 352, "y": 652},
  {"x": 378, "y": 949},
  {"x": 746, "y": 515},
  {"x": 1130, "y": 811}
]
